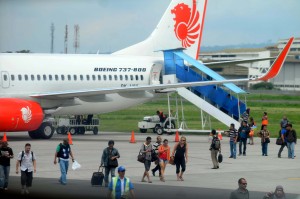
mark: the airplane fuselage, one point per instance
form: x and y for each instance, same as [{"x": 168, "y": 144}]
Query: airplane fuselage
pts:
[{"x": 24, "y": 75}]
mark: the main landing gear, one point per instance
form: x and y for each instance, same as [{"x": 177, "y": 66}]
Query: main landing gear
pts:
[{"x": 45, "y": 131}]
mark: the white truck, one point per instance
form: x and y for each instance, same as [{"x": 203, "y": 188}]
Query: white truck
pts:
[{"x": 153, "y": 122}]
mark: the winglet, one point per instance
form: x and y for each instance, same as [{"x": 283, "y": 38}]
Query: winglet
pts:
[{"x": 277, "y": 64}]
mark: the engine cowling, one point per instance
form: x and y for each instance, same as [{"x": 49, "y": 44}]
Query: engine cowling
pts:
[{"x": 19, "y": 115}]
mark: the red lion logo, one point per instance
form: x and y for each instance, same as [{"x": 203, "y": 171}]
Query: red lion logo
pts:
[{"x": 186, "y": 27}]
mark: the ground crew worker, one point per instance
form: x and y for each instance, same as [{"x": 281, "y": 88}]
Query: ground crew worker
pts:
[{"x": 120, "y": 187}]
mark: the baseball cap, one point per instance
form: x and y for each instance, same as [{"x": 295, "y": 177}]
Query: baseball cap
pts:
[{"x": 121, "y": 169}]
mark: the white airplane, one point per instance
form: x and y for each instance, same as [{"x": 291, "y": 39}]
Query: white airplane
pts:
[{"x": 35, "y": 87}]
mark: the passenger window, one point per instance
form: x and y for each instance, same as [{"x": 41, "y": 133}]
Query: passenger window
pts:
[
  {"x": 126, "y": 77},
  {"x": 38, "y": 77},
  {"x": 142, "y": 77},
  {"x": 12, "y": 77},
  {"x": 75, "y": 77},
  {"x": 87, "y": 77},
  {"x": 109, "y": 77},
  {"x": 136, "y": 77},
  {"x": 5, "y": 77},
  {"x": 121, "y": 77},
  {"x": 104, "y": 77},
  {"x": 131, "y": 77},
  {"x": 44, "y": 77},
  {"x": 94, "y": 77},
  {"x": 20, "y": 77},
  {"x": 56, "y": 77},
  {"x": 81, "y": 77},
  {"x": 116, "y": 77},
  {"x": 62, "y": 77},
  {"x": 26, "y": 77},
  {"x": 32, "y": 77},
  {"x": 69, "y": 77},
  {"x": 50, "y": 77},
  {"x": 99, "y": 77}
]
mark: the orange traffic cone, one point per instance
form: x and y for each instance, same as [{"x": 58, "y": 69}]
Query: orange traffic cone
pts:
[
  {"x": 4, "y": 139},
  {"x": 220, "y": 135},
  {"x": 70, "y": 138},
  {"x": 177, "y": 137},
  {"x": 132, "y": 139}
]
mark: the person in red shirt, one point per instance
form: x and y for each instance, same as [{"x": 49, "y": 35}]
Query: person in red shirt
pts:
[{"x": 164, "y": 157}]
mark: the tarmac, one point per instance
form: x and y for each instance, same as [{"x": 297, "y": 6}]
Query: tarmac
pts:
[{"x": 263, "y": 173}]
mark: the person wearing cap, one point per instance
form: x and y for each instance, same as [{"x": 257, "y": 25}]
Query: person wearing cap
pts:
[
  {"x": 278, "y": 193},
  {"x": 243, "y": 131},
  {"x": 109, "y": 153},
  {"x": 242, "y": 192},
  {"x": 120, "y": 187},
  {"x": 6, "y": 153},
  {"x": 63, "y": 152}
]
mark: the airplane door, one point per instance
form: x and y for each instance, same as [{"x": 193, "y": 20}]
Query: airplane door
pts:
[
  {"x": 155, "y": 73},
  {"x": 4, "y": 79}
]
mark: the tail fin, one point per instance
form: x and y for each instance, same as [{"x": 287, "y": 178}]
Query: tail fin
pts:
[{"x": 180, "y": 27}]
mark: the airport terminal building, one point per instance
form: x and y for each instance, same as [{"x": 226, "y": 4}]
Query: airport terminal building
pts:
[{"x": 288, "y": 79}]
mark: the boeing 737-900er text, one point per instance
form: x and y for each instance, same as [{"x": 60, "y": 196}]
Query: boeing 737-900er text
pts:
[{"x": 35, "y": 87}]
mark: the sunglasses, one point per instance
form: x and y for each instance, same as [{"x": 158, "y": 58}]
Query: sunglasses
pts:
[{"x": 244, "y": 183}]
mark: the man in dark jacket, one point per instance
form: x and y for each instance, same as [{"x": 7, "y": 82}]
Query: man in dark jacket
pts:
[
  {"x": 244, "y": 131},
  {"x": 108, "y": 159},
  {"x": 291, "y": 140},
  {"x": 6, "y": 154}
]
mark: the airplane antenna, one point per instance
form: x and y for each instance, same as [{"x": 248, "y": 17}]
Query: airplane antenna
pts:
[
  {"x": 52, "y": 37},
  {"x": 76, "y": 37},
  {"x": 66, "y": 40}
]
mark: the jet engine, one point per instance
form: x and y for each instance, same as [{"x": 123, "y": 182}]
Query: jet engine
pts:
[{"x": 20, "y": 115}]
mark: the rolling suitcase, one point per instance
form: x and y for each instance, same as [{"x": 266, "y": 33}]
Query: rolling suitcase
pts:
[{"x": 97, "y": 177}]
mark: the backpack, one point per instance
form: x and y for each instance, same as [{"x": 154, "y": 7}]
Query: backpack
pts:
[
  {"x": 216, "y": 143},
  {"x": 60, "y": 150},
  {"x": 23, "y": 156}
]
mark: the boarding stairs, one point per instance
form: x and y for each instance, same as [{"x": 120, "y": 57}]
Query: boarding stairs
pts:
[{"x": 217, "y": 101}]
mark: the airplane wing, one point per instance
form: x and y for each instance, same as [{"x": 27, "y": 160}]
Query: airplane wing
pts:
[{"x": 272, "y": 72}]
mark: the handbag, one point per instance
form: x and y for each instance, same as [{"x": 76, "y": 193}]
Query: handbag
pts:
[
  {"x": 112, "y": 163},
  {"x": 279, "y": 141},
  {"x": 267, "y": 140},
  {"x": 141, "y": 157},
  {"x": 220, "y": 157},
  {"x": 171, "y": 161}
]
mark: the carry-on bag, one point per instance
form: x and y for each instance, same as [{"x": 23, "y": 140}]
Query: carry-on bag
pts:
[{"x": 97, "y": 177}]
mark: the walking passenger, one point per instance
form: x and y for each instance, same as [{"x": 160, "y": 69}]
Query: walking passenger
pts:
[
  {"x": 215, "y": 148},
  {"x": 284, "y": 122},
  {"x": 109, "y": 154},
  {"x": 284, "y": 144},
  {"x": 233, "y": 136},
  {"x": 264, "y": 134},
  {"x": 278, "y": 193},
  {"x": 252, "y": 127},
  {"x": 63, "y": 153},
  {"x": 164, "y": 157},
  {"x": 147, "y": 150},
  {"x": 6, "y": 153},
  {"x": 180, "y": 152},
  {"x": 243, "y": 131},
  {"x": 27, "y": 162},
  {"x": 155, "y": 148},
  {"x": 291, "y": 140}
]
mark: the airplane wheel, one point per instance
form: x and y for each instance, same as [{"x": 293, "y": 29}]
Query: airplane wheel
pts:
[
  {"x": 46, "y": 130},
  {"x": 143, "y": 130},
  {"x": 34, "y": 134},
  {"x": 72, "y": 130},
  {"x": 95, "y": 130}
]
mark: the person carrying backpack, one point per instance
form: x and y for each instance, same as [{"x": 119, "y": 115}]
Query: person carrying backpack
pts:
[
  {"x": 63, "y": 153},
  {"x": 291, "y": 140},
  {"x": 27, "y": 162},
  {"x": 215, "y": 148}
]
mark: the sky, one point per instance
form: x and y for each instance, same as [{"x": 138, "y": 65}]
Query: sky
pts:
[{"x": 110, "y": 25}]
